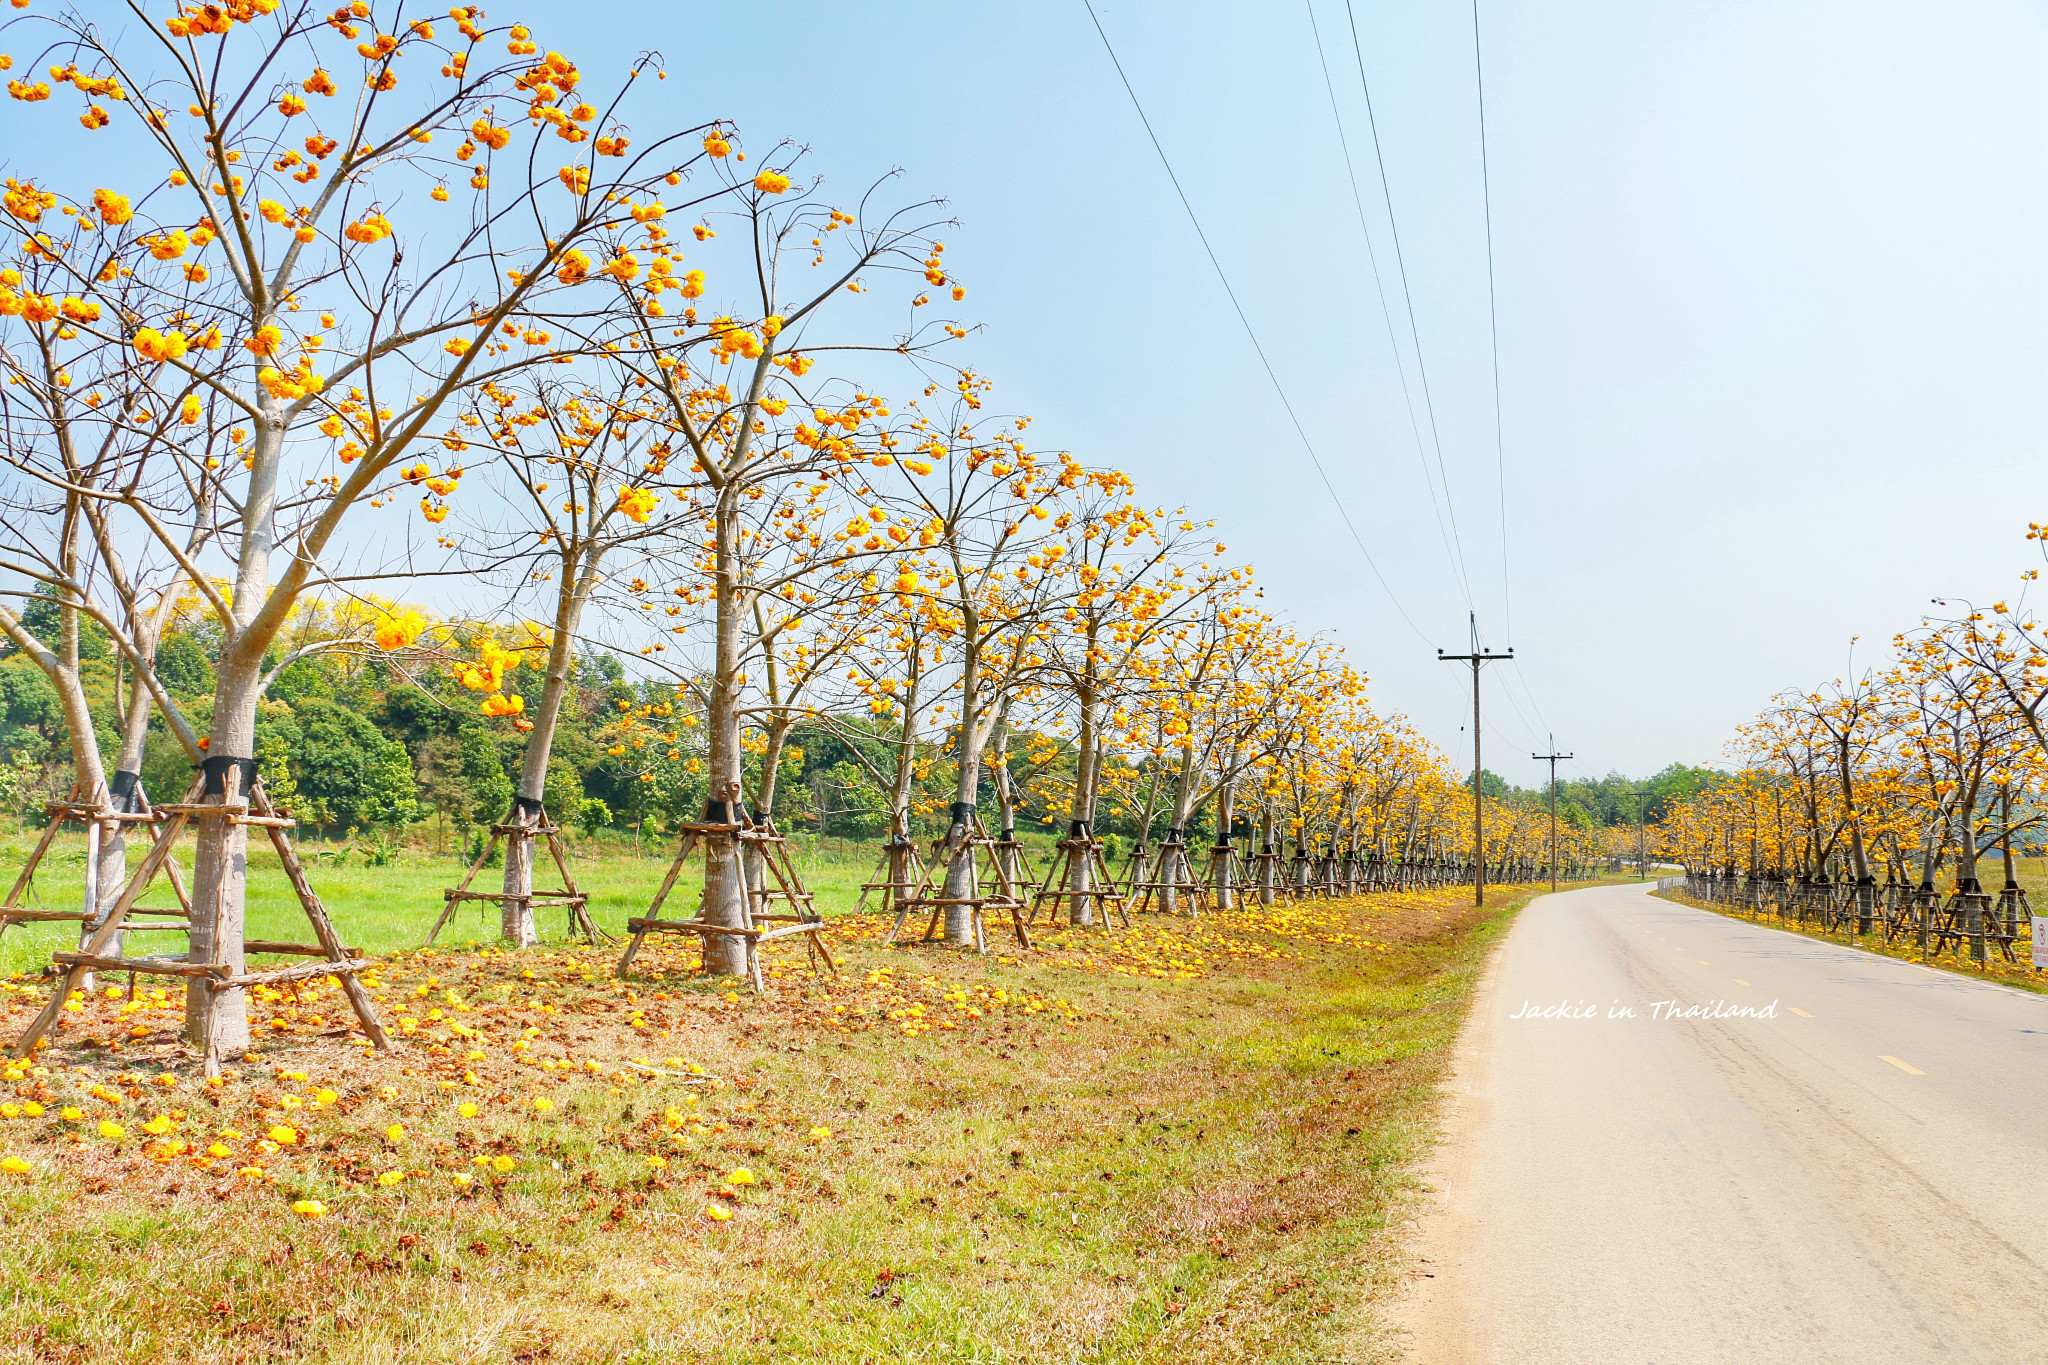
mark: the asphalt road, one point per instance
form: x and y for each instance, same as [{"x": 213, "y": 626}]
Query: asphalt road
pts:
[{"x": 1860, "y": 1175}]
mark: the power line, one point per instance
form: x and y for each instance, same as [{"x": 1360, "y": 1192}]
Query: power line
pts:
[
  {"x": 1408, "y": 297},
  {"x": 1379, "y": 287},
  {"x": 1493, "y": 325},
  {"x": 1238, "y": 308}
]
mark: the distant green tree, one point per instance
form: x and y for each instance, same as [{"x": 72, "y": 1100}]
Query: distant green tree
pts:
[
  {"x": 43, "y": 620},
  {"x": 31, "y": 716},
  {"x": 349, "y": 773},
  {"x": 183, "y": 668},
  {"x": 592, "y": 815},
  {"x": 483, "y": 769},
  {"x": 851, "y": 802}
]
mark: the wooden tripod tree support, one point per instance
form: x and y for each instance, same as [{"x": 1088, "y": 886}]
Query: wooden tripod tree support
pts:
[
  {"x": 127, "y": 807},
  {"x": 1009, "y": 866},
  {"x": 339, "y": 962},
  {"x": 1226, "y": 871},
  {"x": 802, "y": 920},
  {"x": 512, "y": 832},
  {"x": 1174, "y": 871},
  {"x": 2013, "y": 911},
  {"x": 1967, "y": 918},
  {"x": 904, "y": 876},
  {"x": 1005, "y": 894},
  {"x": 1056, "y": 894},
  {"x": 1268, "y": 879},
  {"x": 1135, "y": 867}
]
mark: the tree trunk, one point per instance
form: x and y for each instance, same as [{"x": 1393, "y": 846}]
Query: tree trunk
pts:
[
  {"x": 724, "y": 883},
  {"x": 1225, "y": 893},
  {"x": 753, "y": 856},
  {"x": 515, "y": 916},
  {"x": 221, "y": 858},
  {"x": 1268, "y": 859},
  {"x": 1081, "y": 813},
  {"x": 1006, "y": 804},
  {"x": 961, "y": 878},
  {"x": 962, "y": 881}
]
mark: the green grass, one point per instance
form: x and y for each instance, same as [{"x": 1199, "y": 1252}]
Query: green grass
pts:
[
  {"x": 1184, "y": 1142},
  {"x": 390, "y": 908}
]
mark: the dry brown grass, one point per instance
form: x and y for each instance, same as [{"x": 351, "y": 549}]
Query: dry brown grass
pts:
[{"x": 1181, "y": 1142}]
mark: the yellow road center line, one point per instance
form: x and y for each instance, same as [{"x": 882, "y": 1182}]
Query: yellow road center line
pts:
[
  {"x": 1740, "y": 982},
  {"x": 1798, "y": 1011},
  {"x": 1909, "y": 1070}
]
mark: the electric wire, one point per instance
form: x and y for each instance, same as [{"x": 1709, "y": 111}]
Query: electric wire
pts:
[
  {"x": 1493, "y": 327},
  {"x": 1252, "y": 335},
  {"x": 1408, "y": 298},
  {"x": 1379, "y": 288}
]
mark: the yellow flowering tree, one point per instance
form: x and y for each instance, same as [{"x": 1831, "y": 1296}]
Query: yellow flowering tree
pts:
[
  {"x": 771, "y": 434},
  {"x": 267, "y": 271}
]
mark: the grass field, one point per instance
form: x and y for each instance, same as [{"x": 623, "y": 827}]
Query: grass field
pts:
[
  {"x": 1177, "y": 1142},
  {"x": 390, "y": 908}
]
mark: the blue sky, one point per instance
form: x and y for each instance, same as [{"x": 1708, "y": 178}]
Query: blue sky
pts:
[
  {"x": 1773, "y": 313},
  {"x": 1771, "y": 308}
]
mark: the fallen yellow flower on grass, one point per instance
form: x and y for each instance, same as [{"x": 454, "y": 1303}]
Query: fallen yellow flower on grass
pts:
[
  {"x": 390, "y": 1178},
  {"x": 503, "y": 1164},
  {"x": 821, "y": 1134},
  {"x": 113, "y": 1132},
  {"x": 740, "y": 1175},
  {"x": 283, "y": 1135},
  {"x": 717, "y": 1214},
  {"x": 395, "y": 1132},
  {"x": 14, "y": 1165},
  {"x": 309, "y": 1208},
  {"x": 657, "y": 1162},
  {"x": 466, "y": 1110}
]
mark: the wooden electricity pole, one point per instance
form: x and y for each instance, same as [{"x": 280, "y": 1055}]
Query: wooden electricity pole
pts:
[
  {"x": 1643, "y": 834},
  {"x": 1476, "y": 658},
  {"x": 1552, "y": 757}
]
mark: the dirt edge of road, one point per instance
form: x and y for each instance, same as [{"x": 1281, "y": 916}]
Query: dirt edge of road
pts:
[{"x": 1421, "y": 1322}]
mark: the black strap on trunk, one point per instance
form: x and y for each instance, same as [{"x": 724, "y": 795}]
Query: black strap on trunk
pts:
[
  {"x": 216, "y": 767},
  {"x": 724, "y": 813},
  {"x": 121, "y": 789}
]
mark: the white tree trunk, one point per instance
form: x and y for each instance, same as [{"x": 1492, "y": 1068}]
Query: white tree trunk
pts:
[{"x": 221, "y": 864}]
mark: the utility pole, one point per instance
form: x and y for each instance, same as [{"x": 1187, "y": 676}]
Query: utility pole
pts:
[
  {"x": 1552, "y": 757},
  {"x": 1642, "y": 834},
  {"x": 1476, "y": 658}
]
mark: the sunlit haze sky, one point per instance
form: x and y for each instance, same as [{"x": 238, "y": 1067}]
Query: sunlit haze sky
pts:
[{"x": 1773, "y": 309}]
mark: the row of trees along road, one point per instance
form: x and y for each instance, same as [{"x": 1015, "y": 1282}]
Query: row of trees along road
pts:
[
  {"x": 377, "y": 308},
  {"x": 1926, "y": 763}
]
